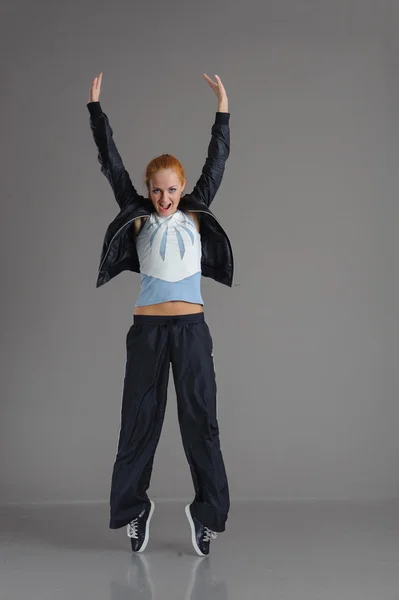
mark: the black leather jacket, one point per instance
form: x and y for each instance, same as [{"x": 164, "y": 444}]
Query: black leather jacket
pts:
[{"x": 119, "y": 247}]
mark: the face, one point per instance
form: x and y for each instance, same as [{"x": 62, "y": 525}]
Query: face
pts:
[{"x": 165, "y": 190}]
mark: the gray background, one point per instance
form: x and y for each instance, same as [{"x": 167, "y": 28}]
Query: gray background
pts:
[{"x": 306, "y": 342}]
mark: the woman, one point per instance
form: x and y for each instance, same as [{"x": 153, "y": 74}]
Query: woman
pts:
[{"x": 171, "y": 240}]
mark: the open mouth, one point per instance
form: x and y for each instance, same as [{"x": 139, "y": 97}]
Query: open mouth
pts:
[{"x": 165, "y": 207}]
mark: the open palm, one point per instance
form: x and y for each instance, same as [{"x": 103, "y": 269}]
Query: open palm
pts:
[{"x": 217, "y": 87}]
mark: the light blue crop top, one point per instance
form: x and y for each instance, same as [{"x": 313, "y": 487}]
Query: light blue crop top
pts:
[{"x": 169, "y": 251}]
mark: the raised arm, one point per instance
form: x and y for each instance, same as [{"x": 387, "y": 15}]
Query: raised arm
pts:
[
  {"x": 218, "y": 150},
  {"x": 108, "y": 156}
]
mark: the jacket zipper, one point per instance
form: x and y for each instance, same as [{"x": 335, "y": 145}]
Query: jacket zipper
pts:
[
  {"x": 114, "y": 236},
  {"x": 206, "y": 213},
  {"x": 227, "y": 237}
]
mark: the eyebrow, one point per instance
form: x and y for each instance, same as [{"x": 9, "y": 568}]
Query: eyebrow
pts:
[{"x": 156, "y": 187}]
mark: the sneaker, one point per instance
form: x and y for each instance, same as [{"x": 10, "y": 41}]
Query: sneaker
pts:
[
  {"x": 139, "y": 529},
  {"x": 200, "y": 535}
]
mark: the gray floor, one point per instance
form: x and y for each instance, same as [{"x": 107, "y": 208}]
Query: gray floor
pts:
[{"x": 284, "y": 551}]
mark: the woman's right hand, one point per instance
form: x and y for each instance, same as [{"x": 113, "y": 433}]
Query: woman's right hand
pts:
[{"x": 95, "y": 89}]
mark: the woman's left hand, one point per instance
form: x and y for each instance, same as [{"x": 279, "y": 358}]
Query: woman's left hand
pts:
[{"x": 220, "y": 92}]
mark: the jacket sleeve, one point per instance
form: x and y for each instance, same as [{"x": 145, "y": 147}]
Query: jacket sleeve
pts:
[
  {"x": 109, "y": 158},
  {"x": 218, "y": 151}
]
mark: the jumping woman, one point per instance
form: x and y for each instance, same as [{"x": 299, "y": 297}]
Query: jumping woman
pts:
[{"x": 171, "y": 239}]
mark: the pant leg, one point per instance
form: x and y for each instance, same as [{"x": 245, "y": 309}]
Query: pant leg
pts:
[
  {"x": 142, "y": 415},
  {"x": 195, "y": 382}
]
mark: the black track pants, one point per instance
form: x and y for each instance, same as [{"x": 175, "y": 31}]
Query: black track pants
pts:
[{"x": 152, "y": 343}]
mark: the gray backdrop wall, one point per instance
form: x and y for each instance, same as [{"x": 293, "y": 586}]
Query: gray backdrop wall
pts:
[{"x": 306, "y": 342}]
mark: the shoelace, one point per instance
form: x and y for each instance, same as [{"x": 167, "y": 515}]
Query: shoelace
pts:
[
  {"x": 132, "y": 526},
  {"x": 209, "y": 534}
]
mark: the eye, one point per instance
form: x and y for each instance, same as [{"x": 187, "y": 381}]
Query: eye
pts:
[{"x": 173, "y": 189}]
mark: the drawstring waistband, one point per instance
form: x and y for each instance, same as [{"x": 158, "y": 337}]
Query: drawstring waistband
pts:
[{"x": 168, "y": 319}]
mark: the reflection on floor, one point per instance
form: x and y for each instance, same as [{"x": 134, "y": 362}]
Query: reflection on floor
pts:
[{"x": 276, "y": 550}]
